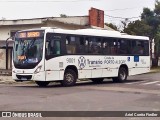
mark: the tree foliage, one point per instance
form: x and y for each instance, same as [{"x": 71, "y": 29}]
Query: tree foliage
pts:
[
  {"x": 157, "y": 41},
  {"x": 138, "y": 28},
  {"x": 63, "y": 15},
  {"x": 114, "y": 27}
]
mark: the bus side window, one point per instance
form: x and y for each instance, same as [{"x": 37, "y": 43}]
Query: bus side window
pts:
[
  {"x": 95, "y": 45},
  {"x": 71, "y": 44},
  {"x": 146, "y": 48},
  {"x": 105, "y": 46},
  {"x": 138, "y": 47},
  {"x": 82, "y": 46},
  {"x": 113, "y": 47},
  {"x": 123, "y": 47}
]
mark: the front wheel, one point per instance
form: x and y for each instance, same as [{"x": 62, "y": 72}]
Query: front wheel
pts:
[
  {"x": 70, "y": 78},
  {"x": 42, "y": 83},
  {"x": 122, "y": 75}
]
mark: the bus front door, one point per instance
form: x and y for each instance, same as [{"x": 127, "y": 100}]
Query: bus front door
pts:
[{"x": 53, "y": 58}]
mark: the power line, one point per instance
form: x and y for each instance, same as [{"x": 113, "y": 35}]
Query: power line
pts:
[
  {"x": 45, "y": 0},
  {"x": 121, "y": 17},
  {"x": 122, "y": 9}
]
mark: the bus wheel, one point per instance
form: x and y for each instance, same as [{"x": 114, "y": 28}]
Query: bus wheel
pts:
[
  {"x": 97, "y": 80},
  {"x": 42, "y": 83},
  {"x": 122, "y": 75},
  {"x": 70, "y": 78}
]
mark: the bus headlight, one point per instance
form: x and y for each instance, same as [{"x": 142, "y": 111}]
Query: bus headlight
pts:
[{"x": 38, "y": 69}]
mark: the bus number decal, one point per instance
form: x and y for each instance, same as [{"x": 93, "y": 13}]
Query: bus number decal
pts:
[{"x": 70, "y": 60}]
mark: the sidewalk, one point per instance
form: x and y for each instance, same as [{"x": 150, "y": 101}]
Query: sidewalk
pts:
[{"x": 6, "y": 79}]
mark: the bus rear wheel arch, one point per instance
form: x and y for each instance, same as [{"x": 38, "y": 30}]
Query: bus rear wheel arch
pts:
[{"x": 122, "y": 74}]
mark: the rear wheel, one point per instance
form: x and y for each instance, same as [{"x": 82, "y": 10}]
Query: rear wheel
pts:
[
  {"x": 70, "y": 78},
  {"x": 97, "y": 80},
  {"x": 122, "y": 75},
  {"x": 42, "y": 83}
]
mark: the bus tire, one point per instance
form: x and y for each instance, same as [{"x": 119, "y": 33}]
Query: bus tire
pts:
[
  {"x": 122, "y": 75},
  {"x": 42, "y": 83},
  {"x": 97, "y": 80},
  {"x": 70, "y": 78}
]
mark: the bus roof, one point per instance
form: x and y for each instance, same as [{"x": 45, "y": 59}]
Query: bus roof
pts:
[
  {"x": 92, "y": 32},
  {"x": 97, "y": 32}
]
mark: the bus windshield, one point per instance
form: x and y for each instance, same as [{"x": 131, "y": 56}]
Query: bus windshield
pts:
[{"x": 27, "y": 51}]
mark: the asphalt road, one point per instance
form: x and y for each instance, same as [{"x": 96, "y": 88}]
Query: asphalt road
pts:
[{"x": 138, "y": 93}]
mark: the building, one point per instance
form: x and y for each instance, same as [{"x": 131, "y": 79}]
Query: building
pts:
[{"x": 8, "y": 28}]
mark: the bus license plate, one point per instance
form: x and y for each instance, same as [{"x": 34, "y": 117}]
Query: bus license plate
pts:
[{"x": 23, "y": 78}]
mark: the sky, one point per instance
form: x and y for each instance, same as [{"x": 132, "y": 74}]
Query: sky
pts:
[{"x": 114, "y": 10}]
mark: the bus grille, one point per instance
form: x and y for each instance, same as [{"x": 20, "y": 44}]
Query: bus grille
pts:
[{"x": 28, "y": 77}]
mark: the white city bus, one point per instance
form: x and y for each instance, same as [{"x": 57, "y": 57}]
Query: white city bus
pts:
[{"x": 48, "y": 54}]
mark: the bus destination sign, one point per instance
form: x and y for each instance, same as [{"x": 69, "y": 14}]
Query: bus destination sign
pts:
[{"x": 29, "y": 34}]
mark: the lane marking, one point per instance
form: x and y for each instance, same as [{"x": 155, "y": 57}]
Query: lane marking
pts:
[
  {"x": 149, "y": 83},
  {"x": 120, "y": 89},
  {"x": 135, "y": 82}
]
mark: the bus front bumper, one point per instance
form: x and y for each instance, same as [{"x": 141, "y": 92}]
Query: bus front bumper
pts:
[{"x": 28, "y": 76}]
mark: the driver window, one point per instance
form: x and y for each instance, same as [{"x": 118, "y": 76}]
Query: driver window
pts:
[{"x": 53, "y": 46}]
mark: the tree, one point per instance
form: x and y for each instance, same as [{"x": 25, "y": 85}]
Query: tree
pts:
[
  {"x": 114, "y": 27},
  {"x": 63, "y": 15},
  {"x": 138, "y": 28},
  {"x": 157, "y": 41},
  {"x": 157, "y": 7},
  {"x": 124, "y": 24},
  {"x": 143, "y": 27}
]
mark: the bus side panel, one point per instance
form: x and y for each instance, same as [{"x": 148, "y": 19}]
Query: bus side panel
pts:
[
  {"x": 61, "y": 75},
  {"x": 111, "y": 65},
  {"x": 80, "y": 62},
  {"x": 140, "y": 64},
  {"x": 39, "y": 76},
  {"x": 85, "y": 73},
  {"x": 108, "y": 72},
  {"x": 96, "y": 72},
  {"x": 52, "y": 69}
]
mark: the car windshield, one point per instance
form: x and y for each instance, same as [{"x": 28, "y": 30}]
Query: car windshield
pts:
[{"x": 27, "y": 51}]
